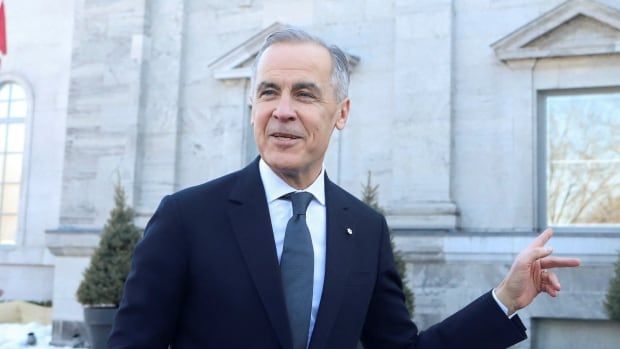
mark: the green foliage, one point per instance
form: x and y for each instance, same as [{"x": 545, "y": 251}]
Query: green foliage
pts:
[
  {"x": 45, "y": 303},
  {"x": 369, "y": 196},
  {"x": 612, "y": 303},
  {"x": 104, "y": 278}
]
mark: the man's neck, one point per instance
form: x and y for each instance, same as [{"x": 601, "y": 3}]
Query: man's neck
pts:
[
  {"x": 296, "y": 180},
  {"x": 299, "y": 180}
]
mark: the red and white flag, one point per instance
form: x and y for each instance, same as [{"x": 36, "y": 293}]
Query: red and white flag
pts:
[{"x": 2, "y": 29}]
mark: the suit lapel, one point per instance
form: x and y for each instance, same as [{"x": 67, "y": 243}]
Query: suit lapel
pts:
[
  {"x": 251, "y": 224},
  {"x": 338, "y": 260}
]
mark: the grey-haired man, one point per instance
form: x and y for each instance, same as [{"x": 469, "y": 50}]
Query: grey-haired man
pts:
[{"x": 277, "y": 256}]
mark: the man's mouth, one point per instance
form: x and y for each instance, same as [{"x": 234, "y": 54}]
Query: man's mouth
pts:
[{"x": 281, "y": 135}]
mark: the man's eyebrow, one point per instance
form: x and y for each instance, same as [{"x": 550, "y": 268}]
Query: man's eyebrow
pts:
[
  {"x": 307, "y": 86},
  {"x": 267, "y": 84}
]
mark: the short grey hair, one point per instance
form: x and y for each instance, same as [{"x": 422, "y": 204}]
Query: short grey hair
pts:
[{"x": 340, "y": 63}]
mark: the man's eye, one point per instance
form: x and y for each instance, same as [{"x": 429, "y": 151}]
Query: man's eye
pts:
[
  {"x": 267, "y": 93},
  {"x": 305, "y": 95}
]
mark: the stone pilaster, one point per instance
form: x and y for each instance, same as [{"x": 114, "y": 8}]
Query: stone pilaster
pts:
[
  {"x": 422, "y": 157},
  {"x": 159, "y": 119},
  {"x": 104, "y": 108}
]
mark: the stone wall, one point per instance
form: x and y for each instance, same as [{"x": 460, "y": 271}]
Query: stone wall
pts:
[
  {"x": 39, "y": 55},
  {"x": 447, "y": 271},
  {"x": 443, "y": 114}
]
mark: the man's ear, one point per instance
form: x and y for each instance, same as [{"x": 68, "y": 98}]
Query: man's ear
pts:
[{"x": 343, "y": 114}]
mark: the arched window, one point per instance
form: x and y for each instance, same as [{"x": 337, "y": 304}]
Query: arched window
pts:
[{"x": 13, "y": 111}]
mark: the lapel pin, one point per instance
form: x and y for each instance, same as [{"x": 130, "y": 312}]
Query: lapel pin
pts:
[{"x": 349, "y": 231}]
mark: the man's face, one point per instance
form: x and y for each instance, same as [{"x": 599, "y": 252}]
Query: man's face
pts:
[{"x": 295, "y": 110}]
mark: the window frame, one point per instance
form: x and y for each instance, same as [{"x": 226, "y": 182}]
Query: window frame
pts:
[
  {"x": 541, "y": 163},
  {"x": 249, "y": 149},
  {"x": 22, "y": 209}
]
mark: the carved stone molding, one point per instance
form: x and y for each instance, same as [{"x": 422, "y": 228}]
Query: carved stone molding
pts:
[
  {"x": 426, "y": 216},
  {"x": 72, "y": 242},
  {"x": 575, "y": 28},
  {"x": 237, "y": 63}
]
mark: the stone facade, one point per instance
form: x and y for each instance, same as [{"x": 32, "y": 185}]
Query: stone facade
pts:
[{"x": 445, "y": 113}]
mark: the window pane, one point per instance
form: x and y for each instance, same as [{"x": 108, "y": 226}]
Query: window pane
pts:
[
  {"x": 2, "y": 167},
  {"x": 4, "y": 92},
  {"x": 10, "y": 198},
  {"x": 17, "y": 92},
  {"x": 16, "y": 138},
  {"x": 13, "y": 165},
  {"x": 17, "y": 109},
  {"x": 583, "y": 159},
  {"x": 8, "y": 229},
  {"x": 4, "y": 109},
  {"x": 2, "y": 137},
  {"x": 251, "y": 150}
]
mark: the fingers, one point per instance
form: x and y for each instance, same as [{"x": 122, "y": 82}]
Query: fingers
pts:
[
  {"x": 539, "y": 251},
  {"x": 550, "y": 291},
  {"x": 552, "y": 280},
  {"x": 559, "y": 262},
  {"x": 550, "y": 283},
  {"x": 536, "y": 253},
  {"x": 542, "y": 239}
]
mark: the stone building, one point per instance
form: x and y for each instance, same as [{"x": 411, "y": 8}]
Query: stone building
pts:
[{"x": 482, "y": 121}]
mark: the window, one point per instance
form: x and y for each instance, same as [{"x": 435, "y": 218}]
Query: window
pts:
[
  {"x": 582, "y": 158},
  {"x": 251, "y": 150},
  {"x": 13, "y": 111}
]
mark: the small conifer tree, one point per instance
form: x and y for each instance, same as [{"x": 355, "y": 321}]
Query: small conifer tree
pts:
[
  {"x": 612, "y": 303},
  {"x": 369, "y": 197},
  {"x": 105, "y": 277}
]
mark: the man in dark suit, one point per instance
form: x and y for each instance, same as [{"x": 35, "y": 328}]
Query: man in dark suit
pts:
[{"x": 277, "y": 256}]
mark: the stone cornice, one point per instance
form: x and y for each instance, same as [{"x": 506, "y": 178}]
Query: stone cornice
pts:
[
  {"x": 519, "y": 44},
  {"x": 72, "y": 242},
  {"x": 424, "y": 215}
]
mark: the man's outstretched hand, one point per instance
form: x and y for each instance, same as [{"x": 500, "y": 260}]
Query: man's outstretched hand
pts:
[{"x": 530, "y": 274}]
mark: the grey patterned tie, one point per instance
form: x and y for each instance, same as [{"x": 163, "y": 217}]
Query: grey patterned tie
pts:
[{"x": 297, "y": 268}]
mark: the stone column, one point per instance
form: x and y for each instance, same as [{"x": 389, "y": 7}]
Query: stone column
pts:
[{"x": 423, "y": 116}]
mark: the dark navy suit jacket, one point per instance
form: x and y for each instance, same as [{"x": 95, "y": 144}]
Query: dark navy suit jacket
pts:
[{"x": 206, "y": 275}]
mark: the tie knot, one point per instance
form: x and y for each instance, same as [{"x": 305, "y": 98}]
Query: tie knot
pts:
[{"x": 300, "y": 201}]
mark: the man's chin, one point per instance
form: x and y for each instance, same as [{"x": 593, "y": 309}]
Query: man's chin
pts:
[{"x": 283, "y": 164}]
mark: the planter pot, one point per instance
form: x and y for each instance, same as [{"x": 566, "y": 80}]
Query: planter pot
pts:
[{"x": 99, "y": 325}]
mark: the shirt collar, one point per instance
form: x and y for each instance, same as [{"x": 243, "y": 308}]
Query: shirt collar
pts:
[{"x": 276, "y": 187}]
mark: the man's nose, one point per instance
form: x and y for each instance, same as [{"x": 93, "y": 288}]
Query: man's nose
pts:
[{"x": 284, "y": 110}]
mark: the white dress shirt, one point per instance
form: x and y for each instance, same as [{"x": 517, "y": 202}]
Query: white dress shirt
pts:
[{"x": 281, "y": 210}]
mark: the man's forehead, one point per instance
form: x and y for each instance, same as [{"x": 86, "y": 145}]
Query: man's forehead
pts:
[{"x": 295, "y": 57}]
